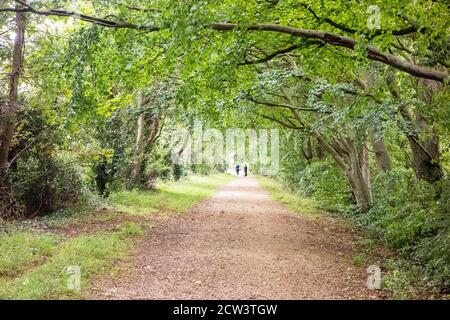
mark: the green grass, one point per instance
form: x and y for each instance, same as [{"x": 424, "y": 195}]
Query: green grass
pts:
[
  {"x": 34, "y": 265},
  {"x": 176, "y": 196},
  {"x": 130, "y": 229},
  {"x": 359, "y": 260},
  {"x": 294, "y": 202},
  {"x": 93, "y": 254},
  {"x": 20, "y": 251}
]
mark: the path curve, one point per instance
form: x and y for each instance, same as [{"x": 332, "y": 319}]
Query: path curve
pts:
[{"x": 240, "y": 244}]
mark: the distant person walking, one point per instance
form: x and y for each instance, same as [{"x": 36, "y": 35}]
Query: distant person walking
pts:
[
  {"x": 245, "y": 169},
  {"x": 238, "y": 168}
]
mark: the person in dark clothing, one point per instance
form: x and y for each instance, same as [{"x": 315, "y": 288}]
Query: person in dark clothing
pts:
[
  {"x": 238, "y": 168},
  {"x": 245, "y": 169}
]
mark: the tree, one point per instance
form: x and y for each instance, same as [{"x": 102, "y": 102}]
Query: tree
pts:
[
  {"x": 10, "y": 106},
  {"x": 372, "y": 52}
]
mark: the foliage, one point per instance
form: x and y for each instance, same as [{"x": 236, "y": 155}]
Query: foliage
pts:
[
  {"x": 327, "y": 184},
  {"x": 409, "y": 218},
  {"x": 77, "y": 125},
  {"x": 48, "y": 185},
  {"x": 293, "y": 201},
  {"x": 176, "y": 196},
  {"x": 407, "y": 215}
]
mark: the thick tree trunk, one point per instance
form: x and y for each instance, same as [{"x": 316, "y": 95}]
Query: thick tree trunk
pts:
[
  {"x": 424, "y": 142},
  {"x": 381, "y": 154},
  {"x": 355, "y": 165},
  {"x": 425, "y": 157},
  {"x": 8, "y": 112},
  {"x": 358, "y": 175},
  {"x": 426, "y": 151},
  {"x": 360, "y": 189}
]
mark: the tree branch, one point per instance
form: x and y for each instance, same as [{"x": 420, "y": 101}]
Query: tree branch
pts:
[
  {"x": 142, "y": 9},
  {"x": 91, "y": 19},
  {"x": 273, "y": 55},
  {"x": 270, "y": 56},
  {"x": 373, "y": 53},
  {"x": 342, "y": 27},
  {"x": 280, "y": 105},
  {"x": 286, "y": 125}
]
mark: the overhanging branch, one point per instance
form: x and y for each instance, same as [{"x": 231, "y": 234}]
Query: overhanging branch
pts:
[
  {"x": 270, "y": 56},
  {"x": 91, "y": 19},
  {"x": 373, "y": 53},
  {"x": 280, "y": 122}
]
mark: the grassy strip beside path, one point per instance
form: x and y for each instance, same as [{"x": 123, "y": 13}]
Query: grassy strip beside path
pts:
[
  {"x": 34, "y": 262},
  {"x": 293, "y": 201}
]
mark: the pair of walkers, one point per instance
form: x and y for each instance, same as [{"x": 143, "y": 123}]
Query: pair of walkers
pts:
[{"x": 238, "y": 169}]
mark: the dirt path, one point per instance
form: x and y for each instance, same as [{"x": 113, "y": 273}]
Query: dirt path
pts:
[{"x": 241, "y": 244}]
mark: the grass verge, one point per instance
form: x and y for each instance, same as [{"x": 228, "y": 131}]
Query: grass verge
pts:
[
  {"x": 293, "y": 201},
  {"x": 43, "y": 265},
  {"x": 177, "y": 196},
  {"x": 56, "y": 277}
]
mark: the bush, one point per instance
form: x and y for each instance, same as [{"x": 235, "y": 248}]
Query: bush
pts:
[
  {"x": 412, "y": 217},
  {"x": 434, "y": 252},
  {"x": 45, "y": 185},
  {"x": 321, "y": 180},
  {"x": 329, "y": 185}
]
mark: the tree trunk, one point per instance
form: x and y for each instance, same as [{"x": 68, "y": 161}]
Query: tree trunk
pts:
[
  {"x": 148, "y": 131},
  {"x": 8, "y": 112},
  {"x": 358, "y": 174},
  {"x": 308, "y": 153},
  {"x": 424, "y": 142},
  {"x": 426, "y": 159},
  {"x": 319, "y": 150},
  {"x": 140, "y": 147},
  {"x": 381, "y": 154},
  {"x": 355, "y": 165}
]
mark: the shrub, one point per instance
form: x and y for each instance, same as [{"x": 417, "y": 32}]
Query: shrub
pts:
[
  {"x": 412, "y": 217},
  {"x": 45, "y": 185},
  {"x": 330, "y": 186}
]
